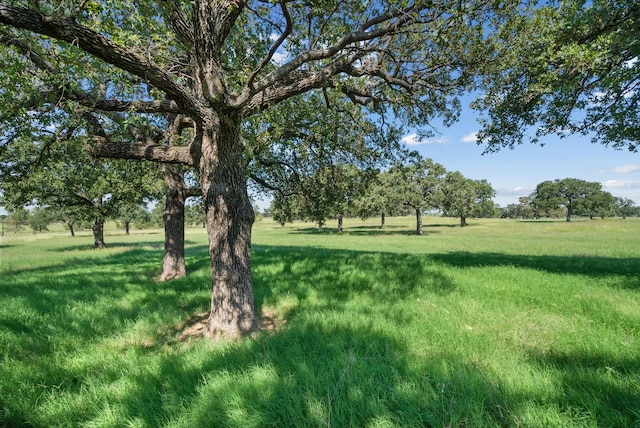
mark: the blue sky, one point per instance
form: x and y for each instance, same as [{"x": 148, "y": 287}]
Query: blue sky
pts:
[{"x": 515, "y": 173}]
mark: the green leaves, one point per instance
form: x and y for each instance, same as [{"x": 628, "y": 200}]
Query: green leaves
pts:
[
  {"x": 578, "y": 196},
  {"x": 567, "y": 69}
]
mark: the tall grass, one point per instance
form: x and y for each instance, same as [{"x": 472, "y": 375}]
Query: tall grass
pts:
[{"x": 503, "y": 323}]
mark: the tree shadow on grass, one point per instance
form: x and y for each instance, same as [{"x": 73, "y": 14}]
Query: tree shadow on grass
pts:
[
  {"x": 89, "y": 297},
  {"x": 312, "y": 374},
  {"x": 369, "y": 231},
  {"x": 335, "y": 277},
  {"x": 600, "y": 386},
  {"x": 112, "y": 245},
  {"x": 315, "y": 371},
  {"x": 626, "y": 269},
  {"x": 357, "y": 231}
]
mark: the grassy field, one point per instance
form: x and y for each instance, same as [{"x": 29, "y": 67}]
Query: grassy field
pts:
[{"x": 503, "y": 323}]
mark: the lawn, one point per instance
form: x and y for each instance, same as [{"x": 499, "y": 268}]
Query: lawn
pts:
[{"x": 502, "y": 323}]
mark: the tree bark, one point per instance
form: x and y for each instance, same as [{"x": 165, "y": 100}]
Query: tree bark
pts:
[
  {"x": 418, "y": 221},
  {"x": 98, "y": 233},
  {"x": 173, "y": 263},
  {"x": 569, "y": 212},
  {"x": 382, "y": 219},
  {"x": 463, "y": 221},
  {"x": 229, "y": 218},
  {"x": 340, "y": 224},
  {"x": 127, "y": 223},
  {"x": 71, "y": 230},
  {"x": 320, "y": 224}
]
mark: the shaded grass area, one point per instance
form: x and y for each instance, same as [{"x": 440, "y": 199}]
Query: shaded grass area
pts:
[{"x": 418, "y": 336}]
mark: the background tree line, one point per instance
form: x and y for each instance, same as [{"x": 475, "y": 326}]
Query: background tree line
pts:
[
  {"x": 570, "y": 197},
  {"x": 413, "y": 187}
]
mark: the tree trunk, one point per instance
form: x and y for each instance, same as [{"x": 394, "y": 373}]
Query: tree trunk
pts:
[
  {"x": 173, "y": 264},
  {"x": 320, "y": 224},
  {"x": 127, "y": 223},
  {"x": 70, "y": 226},
  {"x": 569, "y": 213},
  {"x": 229, "y": 218},
  {"x": 340, "y": 224},
  {"x": 418, "y": 221},
  {"x": 98, "y": 233},
  {"x": 382, "y": 220},
  {"x": 463, "y": 221}
]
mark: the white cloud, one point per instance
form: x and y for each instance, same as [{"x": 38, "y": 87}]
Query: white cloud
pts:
[
  {"x": 623, "y": 169},
  {"x": 626, "y": 169},
  {"x": 412, "y": 140},
  {"x": 621, "y": 184},
  {"x": 280, "y": 58},
  {"x": 441, "y": 140},
  {"x": 516, "y": 191},
  {"x": 631, "y": 62},
  {"x": 415, "y": 140},
  {"x": 470, "y": 138}
]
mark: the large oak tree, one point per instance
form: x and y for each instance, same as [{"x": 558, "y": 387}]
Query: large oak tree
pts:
[{"x": 219, "y": 62}]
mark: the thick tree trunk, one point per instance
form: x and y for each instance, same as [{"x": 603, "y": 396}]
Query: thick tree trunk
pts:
[
  {"x": 173, "y": 264},
  {"x": 382, "y": 219},
  {"x": 127, "y": 223},
  {"x": 569, "y": 213},
  {"x": 463, "y": 221},
  {"x": 418, "y": 221},
  {"x": 320, "y": 224},
  {"x": 71, "y": 230},
  {"x": 340, "y": 224},
  {"x": 98, "y": 233},
  {"x": 229, "y": 218}
]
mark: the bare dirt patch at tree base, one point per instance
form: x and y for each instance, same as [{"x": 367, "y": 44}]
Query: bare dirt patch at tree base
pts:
[{"x": 193, "y": 327}]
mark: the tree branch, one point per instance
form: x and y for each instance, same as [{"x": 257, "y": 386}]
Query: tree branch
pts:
[
  {"x": 142, "y": 150},
  {"x": 395, "y": 19},
  {"x": 99, "y": 46},
  {"x": 276, "y": 45}
]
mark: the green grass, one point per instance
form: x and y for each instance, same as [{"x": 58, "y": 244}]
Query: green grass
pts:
[{"x": 502, "y": 323}]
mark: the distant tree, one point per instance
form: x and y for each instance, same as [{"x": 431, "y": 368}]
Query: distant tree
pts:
[
  {"x": 306, "y": 148},
  {"x": 624, "y": 207},
  {"x": 284, "y": 208},
  {"x": 16, "y": 218},
  {"x": 70, "y": 178},
  {"x": 69, "y": 216},
  {"x": 327, "y": 193},
  {"x": 598, "y": 203},
  {"x": 510, "y": 211},
  {"x": 523, "y": 209},
  {"x": 131, "y": 213},
  {"x": 157, "y": 213},
  {"x": 378, "y": 199},
  {"x": 40, "y": 218},
  {"x": 571, "y": 193},
  {"x": 417, "y": 184},
  {"x": 464, "y": 197},
  {"x": 349, "y": 184},
  {"x": 194, "y": 213}
]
